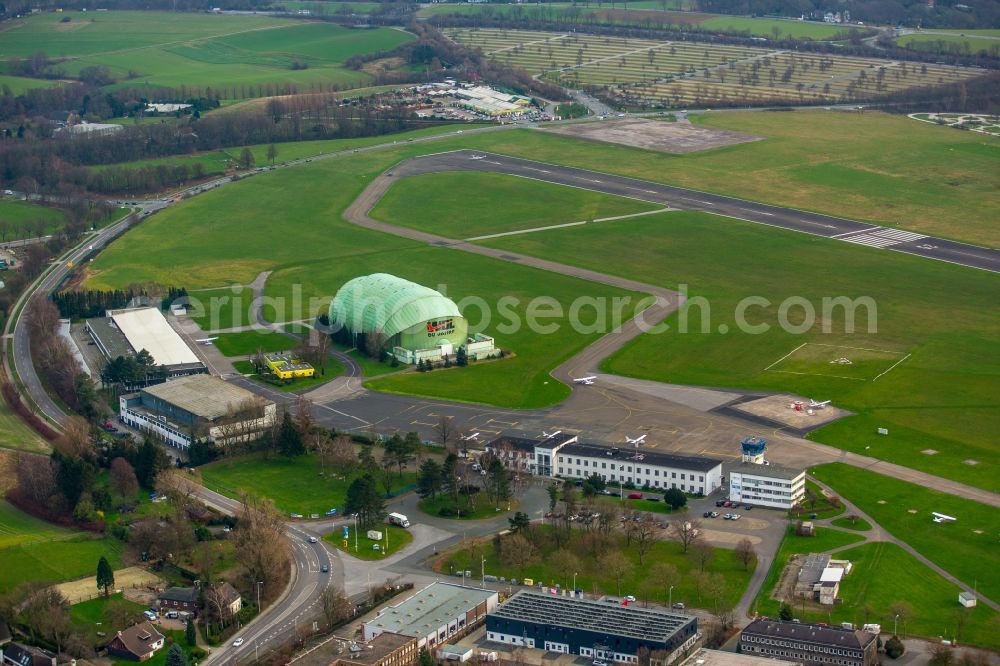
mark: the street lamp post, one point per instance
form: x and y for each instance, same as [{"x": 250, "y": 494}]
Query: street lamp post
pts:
[
  {"x": 670, "y": 597},
  {"x": 895, "y": 625},
  {"x": 574, "y": 583},
  {"x": 259, "y": 583},
  {"x": 355, "y": 533},
  {"x": 482, "y": 575}
]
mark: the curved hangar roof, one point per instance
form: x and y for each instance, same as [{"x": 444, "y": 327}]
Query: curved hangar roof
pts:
[{"x": 388, "y": 303}]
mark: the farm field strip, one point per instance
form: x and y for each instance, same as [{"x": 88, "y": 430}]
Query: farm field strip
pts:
[{"x": 662, "y": 72}]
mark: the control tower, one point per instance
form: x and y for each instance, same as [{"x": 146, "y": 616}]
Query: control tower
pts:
[{"x": 753, "y": 448}]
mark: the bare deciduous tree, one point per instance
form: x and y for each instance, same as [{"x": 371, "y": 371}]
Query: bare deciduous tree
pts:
[
  {"x": 615, "y": 564},
  {"x": 337, "y": 607},
  {"x": 123, "y": 478},
  {"x": 685, "y": 530},
  {"x": 445, "y": 431},
  {"x": 517, "y": 551},
  {"x": 261, "y": 545},
  {"x": 701, "y": 554},
  {"x": 744, "y": 553}
]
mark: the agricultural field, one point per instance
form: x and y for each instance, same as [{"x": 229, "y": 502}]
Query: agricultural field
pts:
[
  {"x": 56, "y": 561},
  {"x": 18, "y": 84},
  {"x": 239, "y": 56},
  {"x": 295, "y": 485},
  {"x": 492, "y": 204},
  {"x": 553, "y": 566},
  {"x": 934, "y": 399},
  {"x": 965, "y": 42},
  {"x": 655, "y": 74},
  {"x": 20, "y": 529},
  {"x": 965, "y": 548},
  {"x": 25, "y": 219}
]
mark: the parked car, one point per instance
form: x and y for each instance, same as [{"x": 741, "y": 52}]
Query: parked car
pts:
[
  {"x": 720, "y": 502},
  {"x": 171, "y": 615},
  {"x": 707, "y": 514},
  {"x": 728, "y": 516},
  {"x": 714, "y": 514},
  {"x": 736, "y": 516},
  {"x": 600, "y": 662},
  {"x": 635, "y": 495},
  {"x": 679, "y": 606},
  {"x": 331, "y": 512},
  {"x": 629, "y": 598},
  {"x": 150, "y": 615},
  {"x": 295, "y": 515}
]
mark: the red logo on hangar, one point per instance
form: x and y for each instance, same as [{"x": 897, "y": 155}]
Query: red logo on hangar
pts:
[{"x": 441, "y": 326}]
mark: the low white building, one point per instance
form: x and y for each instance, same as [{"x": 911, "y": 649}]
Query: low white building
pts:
[
  {"x": 641, "y": 467},
  {"x": 766, "y": 485},
  {"x": 435, "y": 614}
]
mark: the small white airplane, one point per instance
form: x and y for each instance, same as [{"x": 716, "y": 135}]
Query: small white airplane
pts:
[
  {"x": 479, "y": 157},
  {"x": 469, "y": 438},
  {"x": 637, "y": 441},
  {"x": 588, "y": 381},
  {"x": 207, "y": 341},
  {"x": 942, "y": 518},
  {"x": 547, "y": 435},
  {"x": 819, "y": 405}
]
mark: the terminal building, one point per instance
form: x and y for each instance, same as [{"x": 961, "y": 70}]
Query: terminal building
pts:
[
  {"x": 435, "y": 614},
  {"x": 591, "y": 629},
  {"x": 416, "y": 323},
  {"x": 533, "y": 455},
  {"x": 128, "y": 331},
  {"x": 754, "y": 480},
  {"x": 180, "y": 411}
]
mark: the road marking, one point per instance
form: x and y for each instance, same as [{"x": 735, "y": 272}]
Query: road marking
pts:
[{"x": 759, "y": 212}]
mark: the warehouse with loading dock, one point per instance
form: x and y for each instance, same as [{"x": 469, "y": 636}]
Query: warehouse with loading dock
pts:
[{"x": 410, "y": 321}]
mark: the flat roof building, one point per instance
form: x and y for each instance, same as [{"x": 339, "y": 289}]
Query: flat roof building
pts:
[
  {"x": 813, "y": 645},
  {"x": 181, "y": 410},
  {"x": 128, "y": 331},
  {"x": 640, "y": 466},
  {"x": 386, "y": 649},
  {"x": 706, "y": 657},
  {"x": 285, "y": 365},
  {"x": 766, "y": 485},
  {"x": 435, "y": 614},
  {"x": 592, "y": 629},
  {"x": 529, "y": 454}
]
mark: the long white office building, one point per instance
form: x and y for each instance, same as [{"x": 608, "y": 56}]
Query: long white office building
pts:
[{"x": 692, "y": 474}]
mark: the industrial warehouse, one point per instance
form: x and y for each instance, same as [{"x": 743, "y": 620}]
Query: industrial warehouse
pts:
[
  {"x": 182, "y": 410},
  {"x": 413, "y": 323},
  {"x": 128, "y": 331},
  {"x": 594, "y": 629},
  {"x": 433, "y": 615}
]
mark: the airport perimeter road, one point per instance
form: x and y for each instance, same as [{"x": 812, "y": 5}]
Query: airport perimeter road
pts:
[{"x": 816, "y": 224}]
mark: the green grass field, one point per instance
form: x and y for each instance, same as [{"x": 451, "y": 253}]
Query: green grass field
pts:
[
  {"x": 15, "y": 434},
  {"x": 295, "y": 485},
  {"x": 18, "y": 219},
  {"x": 939, "y": 397},
  {"x": 90, "y": 615},
  {"x": 248, "y": 342},
  {"x": 478, "y": 509},
  {"x": 965, "y": 548},
  {"x": 233, "y": 53},
  {"x": 941, "y": 43},
  {"x": 334, "y": 369},
  {"x": 859, "y": 525},
  {"x": 19, "y": 84},
  {"x": 319, "y": 252},
  {"x": 394, "y": 539},
  {"x": 225, "y": 307},
  {"x": 18, "y": 528},
  {"x": 56, "y": 561},
  {"x": 762, "y": 27},
  {"x": 492, "y": 203},
  {"x": 590, "y": 577}
]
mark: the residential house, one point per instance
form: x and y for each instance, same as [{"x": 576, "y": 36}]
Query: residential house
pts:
[
  {"x": 138, "y": 642},
  {"x": 179, "y": 598},
  {"x": 15, "y": 654}
]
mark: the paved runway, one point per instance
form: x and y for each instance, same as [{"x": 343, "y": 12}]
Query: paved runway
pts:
[{"x": 816, "y": 224}]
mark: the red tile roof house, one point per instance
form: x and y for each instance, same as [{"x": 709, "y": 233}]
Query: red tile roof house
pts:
[{"x": 138, "y": 642}]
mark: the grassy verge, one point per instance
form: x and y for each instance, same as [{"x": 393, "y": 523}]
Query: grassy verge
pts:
[
  {"x": 476, "y": 509},
  {"x": 394, "y": 539},
  {"x": 964, "y": 548},
  {"x": 859, "y": 525}
]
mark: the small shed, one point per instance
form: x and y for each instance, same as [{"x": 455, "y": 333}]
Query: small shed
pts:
[{"x": 967, "y": 599}]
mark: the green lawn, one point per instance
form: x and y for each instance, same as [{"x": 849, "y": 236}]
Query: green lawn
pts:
[
  {"x": 938, "y": 398},
  {"x": 15, "y": 434},
  {"x": 18, "y": 528},
  {"x": 547, "y": 568},
  {"x": 239, "y": 55},
  {"x": 394, "y": 539},
  {"x": 213, "y": 162},
  {"x": 763, "y": 27},
  {"x": 817, "y": 504},
  {"x": 478, "y": 509},
  {"x": 24, "y": 219},
  {"x": 492, "y": 203},
  {"x": 859, "y": 525},
  {"x": 248, "y": 342},
  {"x": 91, "y": 617},
  {"x": 937, "y": 43},
  {"x": 56, "y": 561},
  {"x": 965, "y": 548},
  {"x": 225, "y": 307},
  {"x": 295, "y": 485}
]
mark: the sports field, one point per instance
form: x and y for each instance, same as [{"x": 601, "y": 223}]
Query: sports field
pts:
[
  {"x": 238, "y": 56},
  {"x": 656, "y": 74},
  {"x": 942, "y": 393},
  {"x": 492, "y": 203},
  {"x": 965, "y": 548}
]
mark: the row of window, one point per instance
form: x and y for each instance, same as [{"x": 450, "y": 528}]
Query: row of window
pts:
[
  {"x": 691, "y": 488},
  {"x": 649, "y": 471},
  {"x": 806, "y": 647},
  {"x": 140, "y": 421},
  {"x": 795, "y": 655}
]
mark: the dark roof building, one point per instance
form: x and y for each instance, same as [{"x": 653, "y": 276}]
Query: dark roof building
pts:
[
  {"x": 386, "y": 649},
  {"x": 179, "y": 598},
  {"x": 592, "y": 629},
  {"x": 812, "y": 644},
  {"x": 529, "y": 454},
  {"x": 640, "y": 465},
  {"x": 139, "y": 642},
  {"x": 15, "y": 654}
]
